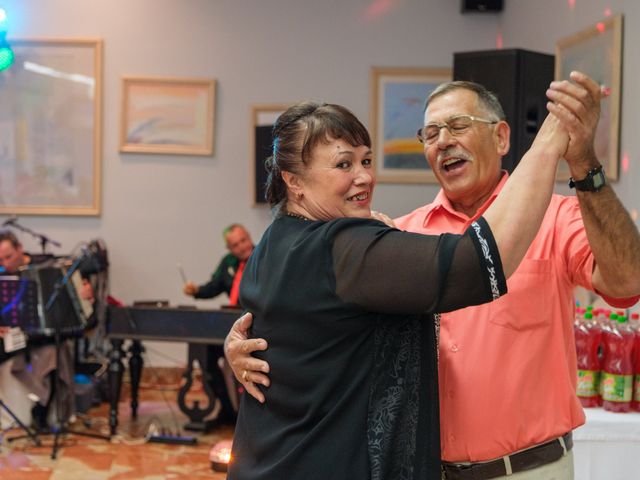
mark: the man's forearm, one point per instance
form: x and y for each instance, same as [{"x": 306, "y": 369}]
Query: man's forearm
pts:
[
  {"x": 615, "y": 242},
  {"x": 210, "y": 289}
]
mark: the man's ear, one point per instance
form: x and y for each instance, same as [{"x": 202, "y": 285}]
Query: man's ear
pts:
[
  {"x": 502, "y": 136},
  {"x": 293, "y": 182}
]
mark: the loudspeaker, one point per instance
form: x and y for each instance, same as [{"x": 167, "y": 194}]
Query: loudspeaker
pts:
[
  {"x": 264, "y": 149},
  {"x": 491, "y": 6},
  {"x": 520, "y": 79}
]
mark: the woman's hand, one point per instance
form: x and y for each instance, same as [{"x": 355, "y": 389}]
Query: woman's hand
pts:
[{"x": 576, "y": 103}]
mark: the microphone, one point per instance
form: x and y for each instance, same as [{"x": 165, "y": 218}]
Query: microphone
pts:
[{"x": 10, "y": 221}]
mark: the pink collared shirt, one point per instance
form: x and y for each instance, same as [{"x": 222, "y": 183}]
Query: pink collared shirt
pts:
[{"x": 508, "y": 368}]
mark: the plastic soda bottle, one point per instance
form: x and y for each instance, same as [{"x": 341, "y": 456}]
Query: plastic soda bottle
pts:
[
  {"x": 606, "y": 326},
  {"x": 587, "y": 335},
  {"x": 635, "y": 402},
  {"x": 617, "y": 376}
]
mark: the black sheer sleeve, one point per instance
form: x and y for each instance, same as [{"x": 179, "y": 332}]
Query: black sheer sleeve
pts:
[{"x": 390, "y": 271}]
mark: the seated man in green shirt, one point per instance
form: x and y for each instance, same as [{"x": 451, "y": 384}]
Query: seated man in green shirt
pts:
[
  {"x": 225, "y": 279},
  {"x": 227, "y": 276}
]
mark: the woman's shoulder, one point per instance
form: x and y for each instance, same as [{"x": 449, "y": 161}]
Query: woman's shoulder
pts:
[
  {"x": 356, "y": 226},
  {"x": 299, "y": 231}
]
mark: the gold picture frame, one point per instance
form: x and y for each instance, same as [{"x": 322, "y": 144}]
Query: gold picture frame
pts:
[
  {"x": 597, "y": 51},
  {"x": 51, "y": 127},
  {"x": 168, "y": 115},
  {"x": 263, "y": 117},
  {"x": 398, "y": 97}
]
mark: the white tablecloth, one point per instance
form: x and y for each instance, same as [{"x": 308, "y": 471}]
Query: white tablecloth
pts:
[{"x": 607, "y": 446}]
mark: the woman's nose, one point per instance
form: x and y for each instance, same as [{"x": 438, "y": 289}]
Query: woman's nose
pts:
[{"x": 363, "y": 176}]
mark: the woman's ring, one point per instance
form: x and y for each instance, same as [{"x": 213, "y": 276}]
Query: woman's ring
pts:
[{"x": 244, "y": 376}]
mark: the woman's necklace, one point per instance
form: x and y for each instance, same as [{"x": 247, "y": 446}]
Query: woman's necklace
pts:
[{"x": 295, "y": 215}]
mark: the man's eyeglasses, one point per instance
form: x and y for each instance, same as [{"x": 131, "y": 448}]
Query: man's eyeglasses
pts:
[{"x": 456, "y": 125}]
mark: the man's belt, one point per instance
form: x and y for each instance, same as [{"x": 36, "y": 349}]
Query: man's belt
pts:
[{"x": 516, "y": 462}]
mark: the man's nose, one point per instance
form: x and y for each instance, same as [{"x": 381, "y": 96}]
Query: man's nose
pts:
[{"x": 445, "y": 138}]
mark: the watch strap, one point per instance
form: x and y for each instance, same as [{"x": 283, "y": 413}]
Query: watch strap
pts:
[{"x": 592, "y": 182}]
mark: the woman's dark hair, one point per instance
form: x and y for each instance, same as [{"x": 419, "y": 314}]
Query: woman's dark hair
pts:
[{"x": 297, "y": 132}]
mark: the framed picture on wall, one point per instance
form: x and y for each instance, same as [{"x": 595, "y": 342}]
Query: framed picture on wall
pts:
[
  {"x": 167, "y": 115},
  {"x": 398, "y": 97},
  {"x": 263, "y": 117},
  {"x": 50, "y": 127},
  {"x": 597, "y": 51}
]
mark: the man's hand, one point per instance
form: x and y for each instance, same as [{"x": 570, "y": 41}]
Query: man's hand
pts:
[
  {"x": 238, "y": 348},
  {"x": 576, "y": 103},
  {"x": 383, "y": 218},
  {"x": 190, "y": 289}
]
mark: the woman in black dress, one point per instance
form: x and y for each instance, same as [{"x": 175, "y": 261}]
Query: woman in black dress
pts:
[{"x": 346, "y": 302}]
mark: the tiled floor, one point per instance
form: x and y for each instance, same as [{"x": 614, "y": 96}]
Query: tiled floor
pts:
[{"x": 125, "y": 457}]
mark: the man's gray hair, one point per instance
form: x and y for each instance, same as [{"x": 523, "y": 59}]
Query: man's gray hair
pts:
[{"x": 488, "y": 100}]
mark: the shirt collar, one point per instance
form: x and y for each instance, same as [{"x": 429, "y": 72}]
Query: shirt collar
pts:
[{"x": 442, "y": 204}]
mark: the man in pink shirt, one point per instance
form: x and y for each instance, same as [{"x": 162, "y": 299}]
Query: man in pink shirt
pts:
[{"x": 507, "y": 371}]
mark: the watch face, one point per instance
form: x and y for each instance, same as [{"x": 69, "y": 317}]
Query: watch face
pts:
[{"x": 598, "y": 180}]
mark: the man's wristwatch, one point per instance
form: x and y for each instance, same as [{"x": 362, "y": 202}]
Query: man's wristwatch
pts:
[{"x": 593, "y": 182}]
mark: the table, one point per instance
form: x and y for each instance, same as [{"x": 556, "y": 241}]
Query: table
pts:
[
  {"x": 198, "y": 328},
  {"x": 607, "y": 446}
]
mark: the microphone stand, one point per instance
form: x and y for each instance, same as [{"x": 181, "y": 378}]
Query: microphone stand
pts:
[
  {"x": 44, "y": 240},
  {"x": 30, "y": 434},
  {"x": 62, "y": 428}
]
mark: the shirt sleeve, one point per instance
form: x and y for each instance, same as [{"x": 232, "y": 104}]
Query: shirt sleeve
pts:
[
  {"x": 216, "y": 285},
  {"x": 389, "y": 271}
]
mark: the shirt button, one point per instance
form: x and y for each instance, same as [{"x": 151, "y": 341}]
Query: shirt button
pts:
[{"x": 454, "y": 348}]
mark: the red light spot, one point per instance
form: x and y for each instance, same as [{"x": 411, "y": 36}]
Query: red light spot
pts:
[
  {"x": 572, "y": 3},
  {"x": 378, "y": 8},
  {"x": 625, "y": 163},
  {"x": 607, "y": 12},
  {"x": 499, "y": 41},
  {"x": 601, "y": 27}
]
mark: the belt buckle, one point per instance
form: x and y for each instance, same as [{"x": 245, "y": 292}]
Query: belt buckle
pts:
[{"x": 457, "y": 471}]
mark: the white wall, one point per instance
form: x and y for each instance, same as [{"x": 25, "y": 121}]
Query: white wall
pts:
[{"x": 157, "y": 209}]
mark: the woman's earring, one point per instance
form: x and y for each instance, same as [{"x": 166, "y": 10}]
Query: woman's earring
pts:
[{"x": 300, "y": 195}]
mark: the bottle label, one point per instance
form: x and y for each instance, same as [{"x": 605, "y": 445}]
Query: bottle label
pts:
[
  {"x": 617, "y": 388},
  {"x": 588, "y": 383},
  {"x": 637, "y": 388}
]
